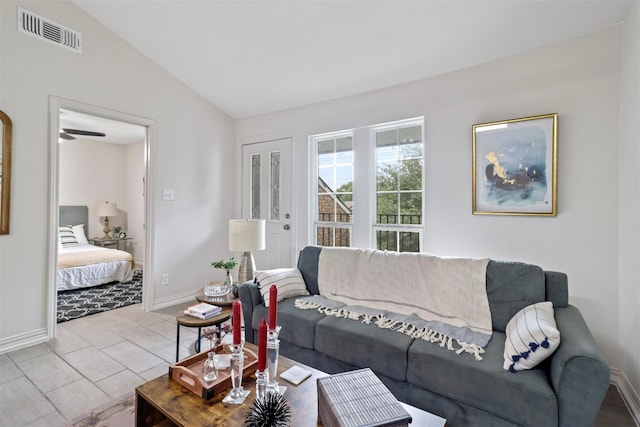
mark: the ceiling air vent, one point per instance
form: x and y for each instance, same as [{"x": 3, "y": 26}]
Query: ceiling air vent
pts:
[{"x": 51, "y": 31}]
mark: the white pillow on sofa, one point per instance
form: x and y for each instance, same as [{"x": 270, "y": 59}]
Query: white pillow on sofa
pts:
[
  {"x": 532, "y": 336},
  {"x": 289, "y": 282}
]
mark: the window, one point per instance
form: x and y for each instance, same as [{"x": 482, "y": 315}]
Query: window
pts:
[
  {"x": 334, "y": 189},
  {"x": 398, "y": 219},
  {"x": 393, "y": 212}
]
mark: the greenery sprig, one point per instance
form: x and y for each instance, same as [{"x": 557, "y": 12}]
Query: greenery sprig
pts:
[{"x": 225, "y": 264}]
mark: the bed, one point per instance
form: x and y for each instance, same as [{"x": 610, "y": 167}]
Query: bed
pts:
[{"x": 82, "y": 265}]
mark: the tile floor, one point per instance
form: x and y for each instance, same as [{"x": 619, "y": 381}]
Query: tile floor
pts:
[
  {"x": 92, "y": 361},
  {"x": 103, "y": 357}
]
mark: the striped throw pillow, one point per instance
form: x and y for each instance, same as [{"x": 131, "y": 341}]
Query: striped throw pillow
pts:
[
  {"x": 289, "y": 282},
  {"x": 532, "y": 336},
  {"x": 67, "y": 236}
]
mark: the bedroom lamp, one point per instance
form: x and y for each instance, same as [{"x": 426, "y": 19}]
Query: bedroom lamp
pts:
[
  {"x": 106, "y": 210},
  {"x": 246, "y": 235}
]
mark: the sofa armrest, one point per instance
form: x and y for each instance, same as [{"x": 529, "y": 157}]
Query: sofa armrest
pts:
[
  {"x": 250, "y": 297},
  {"x": 579, "y": 372}
]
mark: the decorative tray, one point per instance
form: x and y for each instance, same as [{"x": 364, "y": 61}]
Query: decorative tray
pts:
[{"x": 189, "y": 372}]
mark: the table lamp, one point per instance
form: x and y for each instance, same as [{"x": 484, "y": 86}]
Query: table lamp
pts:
[
  {"x": 106, "y": 210},
  {"x": 246, "y": 235}
]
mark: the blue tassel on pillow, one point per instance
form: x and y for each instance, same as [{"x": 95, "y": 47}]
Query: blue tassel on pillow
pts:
[
  {"x": 515, "y": 358},
  {"x": 525, "y": 355},
  {"x": 545, "y": 343},
  {"x": 512, "y": 368},
  {"x": 533, "y": 346}
]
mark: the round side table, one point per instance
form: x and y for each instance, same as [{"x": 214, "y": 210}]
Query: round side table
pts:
[{"x": 193, "y": 322}]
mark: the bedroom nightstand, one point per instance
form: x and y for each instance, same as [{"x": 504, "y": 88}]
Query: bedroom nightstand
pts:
[{"x": 111, "y": 242}]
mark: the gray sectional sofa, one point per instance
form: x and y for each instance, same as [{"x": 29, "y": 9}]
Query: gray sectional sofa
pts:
[{"x": 564, "y": 390}]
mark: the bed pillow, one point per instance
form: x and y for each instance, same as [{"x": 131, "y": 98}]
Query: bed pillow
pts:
[
  {"x": 289, "y": 282},
  {"x": 81, "y": 236},
  {"x": 532, "y": 336},
  {"x": 67, "y": 237}
]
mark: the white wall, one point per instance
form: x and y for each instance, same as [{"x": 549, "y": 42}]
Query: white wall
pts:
[
  {"x": 579, "y": 80},
  {"x": 91, "y": 173},
  {"x": 190, "y": 154},
  {"x": 134, "y": 192},
  {"x": 629, "y": 212}
]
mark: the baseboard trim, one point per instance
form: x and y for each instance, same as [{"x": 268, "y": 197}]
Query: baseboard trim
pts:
[
  {"x": 174, "y": 300},
  {"x": 627, "y": 392},
  {"x": 24, "y": 340}
]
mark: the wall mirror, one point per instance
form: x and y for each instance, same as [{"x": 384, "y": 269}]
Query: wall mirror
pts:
[{"x": 5, "y": 172}]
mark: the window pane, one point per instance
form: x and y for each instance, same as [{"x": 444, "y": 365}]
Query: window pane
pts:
[
  {"x": 326, "y": 207},
  {"x": 387, "y": 176},
  {"x": 344, "y": 178},
  {"x": 387, "y": 138},
  {"x": 344, "y": 207},
  {"x": 409, "y": 242},
  {"x": 275, "y": 187},
  {"x": 386, "y": 240},
  {"x": 333, "y": 236},
  {"x": 255, "y": 186},
  {"x": 326, "y": 175},
  {"x": 344, "y": 150},
  {"x": 411, "y": 150},
  {"x": 411, "y": 208},
  {"x": 387, "y": 208},
  {"x": 411, "y": 175}
]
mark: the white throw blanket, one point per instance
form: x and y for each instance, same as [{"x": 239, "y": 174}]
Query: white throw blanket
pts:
[{"x": 424, "y": 296}]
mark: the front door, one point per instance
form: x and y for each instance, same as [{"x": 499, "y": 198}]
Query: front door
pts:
[{"x": 266, "y": 194}]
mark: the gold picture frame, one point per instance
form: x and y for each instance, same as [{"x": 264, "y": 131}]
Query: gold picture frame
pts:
[
  {"x": 515, "y": 166},
  {"x": 5, "y": 172}
]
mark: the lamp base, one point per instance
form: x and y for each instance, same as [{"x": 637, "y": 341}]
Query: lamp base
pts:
[
  {"x": 106, "y": 229},
  {"x": 247, "y": 268}
]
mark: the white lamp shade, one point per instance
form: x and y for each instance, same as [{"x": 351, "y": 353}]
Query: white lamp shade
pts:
[
  {"x": 246, "y": 235},
  {"x": 107, "y": 209}
]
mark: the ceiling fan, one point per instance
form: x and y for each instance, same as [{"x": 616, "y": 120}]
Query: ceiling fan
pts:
[{"x": 68, "y": 133}]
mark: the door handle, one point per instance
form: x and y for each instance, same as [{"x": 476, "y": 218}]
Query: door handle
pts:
[{"x": 286, "y": 226}]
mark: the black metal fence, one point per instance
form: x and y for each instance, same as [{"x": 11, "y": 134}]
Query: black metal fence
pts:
[{"x": 390, "y": 240}]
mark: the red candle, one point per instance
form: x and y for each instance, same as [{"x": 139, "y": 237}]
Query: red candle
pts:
[
  {"x": 273, "y": 307},
  {"x": 262, "y": 345},
  {"x": 237, "y": 322}
]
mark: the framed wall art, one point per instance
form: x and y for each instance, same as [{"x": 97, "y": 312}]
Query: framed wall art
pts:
[{"x": 515, "y": 166}]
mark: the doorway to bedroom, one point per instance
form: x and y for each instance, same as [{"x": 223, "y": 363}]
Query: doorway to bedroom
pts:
[{"x": 100, "y": 196}]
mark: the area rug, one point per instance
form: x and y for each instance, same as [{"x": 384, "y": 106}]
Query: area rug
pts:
[
  {"x": 76, "y": 303},
  {"x": 118, "y": 413}
]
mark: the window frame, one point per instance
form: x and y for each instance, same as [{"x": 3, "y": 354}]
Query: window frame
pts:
[
  {"x": 373, "y": 190},
  {"x": 364, "y": 147},
  {"x": 315, "y": 222}
]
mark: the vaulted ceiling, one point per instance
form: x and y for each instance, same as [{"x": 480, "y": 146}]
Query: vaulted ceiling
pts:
[{"x": 254, "y": 57}]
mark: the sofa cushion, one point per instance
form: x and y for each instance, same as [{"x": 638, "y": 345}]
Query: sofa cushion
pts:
[
  {"x": 308, "y": 266},
  {"x": 288, "y": 281},
  {"x": 298, "y": 326},
  {"x": 531, "y": 337},
  {"x": 511, "y": 286},
  {"x": 524, "y": 399},
  {"x": 364, "y": 346}
]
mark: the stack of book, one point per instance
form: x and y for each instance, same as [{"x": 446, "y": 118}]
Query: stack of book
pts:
[{"x": 203, "y": 310}]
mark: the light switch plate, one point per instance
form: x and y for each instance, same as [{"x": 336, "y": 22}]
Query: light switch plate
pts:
[{"x": 167, "y": 194}]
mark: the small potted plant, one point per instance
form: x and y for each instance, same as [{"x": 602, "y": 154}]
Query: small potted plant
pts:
[{"x": 228, "y": 265}]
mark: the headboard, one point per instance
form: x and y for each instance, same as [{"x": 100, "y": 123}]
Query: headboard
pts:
[{"x": 74, "y": 215}]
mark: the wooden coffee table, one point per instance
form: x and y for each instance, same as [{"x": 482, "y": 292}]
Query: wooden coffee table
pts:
[{"x": 165, "y": 401}]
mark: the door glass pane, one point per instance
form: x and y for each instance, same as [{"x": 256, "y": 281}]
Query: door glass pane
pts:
[
  {"x": 274, "y": 211},
  {"x": 255, "y": 186}
]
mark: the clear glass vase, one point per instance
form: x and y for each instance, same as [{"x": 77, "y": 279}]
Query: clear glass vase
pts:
[{"x": 211, "y": 367}]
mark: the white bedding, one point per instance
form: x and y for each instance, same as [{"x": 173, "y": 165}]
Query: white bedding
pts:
[{"x": 93, "y": 274}]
